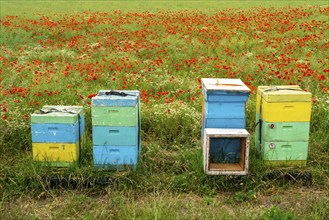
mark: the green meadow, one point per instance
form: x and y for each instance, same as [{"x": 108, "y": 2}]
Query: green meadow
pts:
[{"x": 64, "y": 52}]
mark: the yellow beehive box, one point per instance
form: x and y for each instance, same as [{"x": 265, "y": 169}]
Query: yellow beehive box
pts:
[
  {"x": 58, "y": 154},
  {"x": 283, "y": 103}
]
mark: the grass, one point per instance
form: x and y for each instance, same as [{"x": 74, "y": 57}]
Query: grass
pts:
[{"x": 59, "y": 53}]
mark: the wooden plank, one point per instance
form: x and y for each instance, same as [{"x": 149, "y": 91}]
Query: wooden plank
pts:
[
  {"x": 102, "y": 99},
  {"x": 118, "y": 136},
  {"x": 286, "y": 111},
  {"x": 115, "y": 155},
  {"x": 224, "y": 84},
  {"x": 285, "y": 131},
  {"x": 285, "y": 150},
  {"x": 225, "y": 166},
  {"x": 287, "y": 93},
  {"x": 55, "y": 133},
  {"x": 114, "y": 116},
  {"x": 229, "y": 133},
  {"x": 56, "y": 152}
]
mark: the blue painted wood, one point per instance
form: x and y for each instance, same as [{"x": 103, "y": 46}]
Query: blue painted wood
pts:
[
  {"x": 115, "y": 155},
  {"x": 225, "y": 96},
  {"x": 225, "y": 110},
  {"x": 224, "y": 150},
  {"x": 110, "y": 136},
  {"x": 225, "y": 123},
  {"x": 132, "y": 99},
  {"x": 55, "y": 133},
  {"x": 82, "y": 124}
]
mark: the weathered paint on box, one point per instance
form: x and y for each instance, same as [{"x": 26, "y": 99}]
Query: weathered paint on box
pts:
[
  {"x": 115, "y": 155},
  {"x": 285, "y": 131},
  {"x": 289, "y": 93},
  {"x": 55, "y": 133},
  {"x": 105, "y": 98},
  {"x": 225, "y": 122},
  {"x": 222, "y": 84},
  {"x": 228, "y": 135},
  {"x": 54, "y": 117},
  {"x": 286, "y": 111},
  {"x": 78, "y": 109},
  {"x": 115, "y": 136},
  {"x": 61, "y": 153},
  {"x": 285, "y": 150},
  {"x": 114, "y": 116},
  {"x": 283, "y": 103}
]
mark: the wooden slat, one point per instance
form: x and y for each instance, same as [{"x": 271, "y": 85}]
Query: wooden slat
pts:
[
  {"x": 225, "y": 167},
  {"x": 223, "y": 84}
]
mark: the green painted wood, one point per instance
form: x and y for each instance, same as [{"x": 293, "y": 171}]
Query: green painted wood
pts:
[
  {"x": 257, "y": 133},
  {"x": 54, "y": 117},
  {"x": 285, "y": 131},
  {"x": 114, "y": 116},
  {"x": 285, "y": 150}
]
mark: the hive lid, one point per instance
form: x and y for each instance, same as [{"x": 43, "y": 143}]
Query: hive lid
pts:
[
  {"x": 57, "y": 114},
  {"x": 116, "y": 98},
  {"x": 233, "y": 85},
  {"x": 289, "y": 93}
]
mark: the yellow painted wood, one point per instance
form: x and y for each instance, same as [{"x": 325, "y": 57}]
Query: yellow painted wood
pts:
[
  {"x": 286, "y": 111},
  {"x": 284, "y": 94},
  {"x": 56, "y": 152},
  {"x": 258, "y": 99}
]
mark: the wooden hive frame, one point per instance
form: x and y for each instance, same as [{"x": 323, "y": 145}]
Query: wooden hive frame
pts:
[{"x": 240, "y": 168}]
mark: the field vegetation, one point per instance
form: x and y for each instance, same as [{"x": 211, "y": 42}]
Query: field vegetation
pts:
[{"x": 64, "y": 52}]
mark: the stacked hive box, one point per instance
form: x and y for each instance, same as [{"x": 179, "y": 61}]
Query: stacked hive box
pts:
[
  {"x": 224, "y": 140},
  {"x": 283, "y": 115},
  {"x": 57, "y": 133},
  {"x": 116, "y": 128}
]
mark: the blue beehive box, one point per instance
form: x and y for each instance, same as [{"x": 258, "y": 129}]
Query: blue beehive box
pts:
[
  {"x": 57, "y": 133},
  {"x": 223, "y": 104},
  {"x": 116, "y": 128}
]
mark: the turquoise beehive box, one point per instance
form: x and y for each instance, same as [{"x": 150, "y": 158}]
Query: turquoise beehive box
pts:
[{"x": 116, "y": 128}]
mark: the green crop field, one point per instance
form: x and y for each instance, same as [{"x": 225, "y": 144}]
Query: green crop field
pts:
[{"x": 64, "y": 52}]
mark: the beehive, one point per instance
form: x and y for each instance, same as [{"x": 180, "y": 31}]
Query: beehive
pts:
[
  {"x": 224, "y": 103},
  {"x": 283, "y": 115},
  {"x": 57, "y": 133},
  {"x": 116, "y": 128},
  {"x": 226, "y": 151},
  {"x": 223, "y": 106}
]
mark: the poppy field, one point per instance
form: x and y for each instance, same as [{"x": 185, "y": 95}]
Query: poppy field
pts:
[{"x": 66, "y": 58}]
